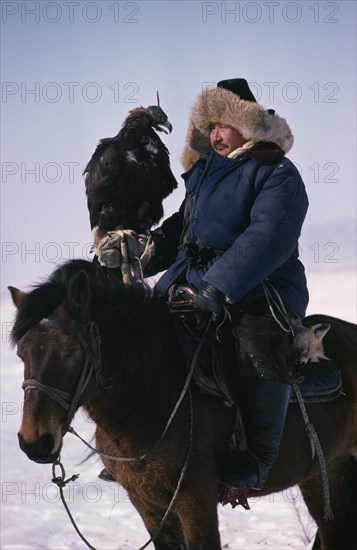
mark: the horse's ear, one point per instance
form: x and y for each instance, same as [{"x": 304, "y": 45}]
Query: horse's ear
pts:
[
  {"x": 78, "y": 294},
  {"x": 16, "y": 295}
]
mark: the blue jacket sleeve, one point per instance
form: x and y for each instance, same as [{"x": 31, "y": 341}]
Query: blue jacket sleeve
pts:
[
  {"x": 167, "y": 243},
  {"x": 277, "y": 216}
]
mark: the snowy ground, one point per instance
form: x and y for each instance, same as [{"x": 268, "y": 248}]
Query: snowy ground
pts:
[{"x": 34, "y": 518}]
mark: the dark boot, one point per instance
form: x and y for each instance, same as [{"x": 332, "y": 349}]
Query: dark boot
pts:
[
  {"x": 264, "y": 404},
  {"x": 105, "y": 475}
]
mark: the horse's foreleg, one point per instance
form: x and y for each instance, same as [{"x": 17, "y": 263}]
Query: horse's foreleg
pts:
[
  {"x": 317, "y": 542},
  {"x": 198, "y": 515},
  {"x": 170, "y": 536},
  {"x": 341, "y": 532}
]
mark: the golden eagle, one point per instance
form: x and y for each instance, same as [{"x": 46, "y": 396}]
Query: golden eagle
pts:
[{"x": 129, "y": 175}]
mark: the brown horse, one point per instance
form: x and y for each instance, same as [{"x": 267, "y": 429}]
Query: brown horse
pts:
[{"x": 130, "y": 387}]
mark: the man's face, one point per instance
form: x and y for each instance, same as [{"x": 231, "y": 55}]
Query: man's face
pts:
[{"x": 224, "y": 139}]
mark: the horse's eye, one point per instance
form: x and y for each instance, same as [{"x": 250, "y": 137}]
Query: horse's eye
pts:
[
  {"x": 69, "y": 354},
  {"x": 19, "y": 354}
]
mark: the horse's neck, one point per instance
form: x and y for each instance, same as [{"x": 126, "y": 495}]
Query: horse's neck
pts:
[{"x": 152, "y": 411}]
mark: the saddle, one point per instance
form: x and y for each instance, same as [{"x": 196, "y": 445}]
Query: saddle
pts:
[
  {"x": 211, "y": 372},
  {"x": 214, "y": 371}
]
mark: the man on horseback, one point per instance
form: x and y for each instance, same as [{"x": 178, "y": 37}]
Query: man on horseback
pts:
[{"x": 236, "y": 234}]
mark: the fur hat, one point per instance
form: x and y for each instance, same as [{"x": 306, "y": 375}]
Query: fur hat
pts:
[{"x": 232, "y": 104}]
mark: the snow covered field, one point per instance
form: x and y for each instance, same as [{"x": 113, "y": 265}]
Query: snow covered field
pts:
[{"x": 33, "y": 516}]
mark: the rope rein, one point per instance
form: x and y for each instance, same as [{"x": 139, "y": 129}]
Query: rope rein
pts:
[
  {"x": 63, "y": 399},
  {"x": 169, "y": 422},
  {"x": 310, "y": 430},
  {"x": 316, "y": 446},
  {"x": 181, "y": 478},
  {"x": 91, "y": 346},
  {"x": 61, "y": 482},
  {"x": 279, "y": 306}
]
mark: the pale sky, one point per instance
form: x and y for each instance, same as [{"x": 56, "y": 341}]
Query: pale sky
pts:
[{"x": 72, "y": 70}]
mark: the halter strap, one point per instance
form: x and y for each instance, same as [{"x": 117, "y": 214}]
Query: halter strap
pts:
[
  {"x": 61, "y": 397},
  {"x": 92, "y": 365}
]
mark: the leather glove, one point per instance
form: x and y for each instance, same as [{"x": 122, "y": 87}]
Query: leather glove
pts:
[
  {"x": 209, "y": 300},
  {"x": 109, "y": 247}
]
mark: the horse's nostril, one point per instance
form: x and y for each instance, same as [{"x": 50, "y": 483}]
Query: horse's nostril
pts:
[{"x": 40, "y": 449}]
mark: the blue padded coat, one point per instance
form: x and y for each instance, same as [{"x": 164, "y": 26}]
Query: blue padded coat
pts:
[{"x": 250, "y": 215}]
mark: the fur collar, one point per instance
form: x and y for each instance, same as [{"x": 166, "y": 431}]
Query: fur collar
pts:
[{"x": 219, "y": 105}]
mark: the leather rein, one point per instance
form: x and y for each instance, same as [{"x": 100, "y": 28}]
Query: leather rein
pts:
[
  {"x": 92, "y": 365},
  {"x": 70, "y": 402}
]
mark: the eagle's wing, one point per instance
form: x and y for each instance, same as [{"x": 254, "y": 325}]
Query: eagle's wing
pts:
[
  {"x": 98, "y": 174},
  {"x": 128, "y": 177}
]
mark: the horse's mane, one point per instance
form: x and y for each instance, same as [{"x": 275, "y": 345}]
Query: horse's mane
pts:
[{"x": 125, "y": 313}]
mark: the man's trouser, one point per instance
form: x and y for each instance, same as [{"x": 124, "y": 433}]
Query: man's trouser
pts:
[{"x": 262, "y": 350}]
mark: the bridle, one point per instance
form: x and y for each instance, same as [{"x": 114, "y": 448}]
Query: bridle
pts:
[
  {"x": 90, "y": 344},
  {"x": 70, "y": 402}
]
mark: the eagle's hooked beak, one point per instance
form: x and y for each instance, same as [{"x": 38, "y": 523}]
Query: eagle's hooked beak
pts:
[
  {"x": 161, "y": 122},
  {"x": 165, "y": 127}
]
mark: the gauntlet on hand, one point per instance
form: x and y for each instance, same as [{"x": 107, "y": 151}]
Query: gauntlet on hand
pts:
[
  {"x": 125, "y": 246},
  {"x": 109, "y": 249},
  {"x": 209, "y": 300}
]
